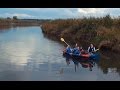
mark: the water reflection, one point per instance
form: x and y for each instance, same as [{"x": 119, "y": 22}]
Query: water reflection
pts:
[
  {"x": 4, "y": 28},
  {"x": 84, "y": 62},
  {"x": 110, "y": 62},
  {"x": 25, "y": 54}
]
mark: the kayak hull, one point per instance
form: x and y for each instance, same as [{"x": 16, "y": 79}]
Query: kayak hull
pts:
[{"x": 82, "y": 56}]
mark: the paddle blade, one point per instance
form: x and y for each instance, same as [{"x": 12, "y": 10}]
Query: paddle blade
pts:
[{"x": 62, "y": 39}]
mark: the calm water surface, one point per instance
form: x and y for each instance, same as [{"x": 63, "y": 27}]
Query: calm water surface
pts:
[{"x": 25, "y": 54}]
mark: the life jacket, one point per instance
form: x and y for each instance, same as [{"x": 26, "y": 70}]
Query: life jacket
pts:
[
  {"x": 68, "y": 50},
  {"x": 76, "y": 51},
  {"x": 91, "y": 49}
]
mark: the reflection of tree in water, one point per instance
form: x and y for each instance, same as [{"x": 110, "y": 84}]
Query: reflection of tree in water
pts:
[
  {"x": 4, "y": 28},
  {"x": 109, "y": 62}
]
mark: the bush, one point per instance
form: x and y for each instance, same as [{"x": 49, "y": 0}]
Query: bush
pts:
[{"x": 92, "y": 30}]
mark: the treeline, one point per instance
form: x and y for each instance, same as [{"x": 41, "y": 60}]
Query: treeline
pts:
[
  {"x": 103, "y": 32},
  {"x": 15, "y": 21}
]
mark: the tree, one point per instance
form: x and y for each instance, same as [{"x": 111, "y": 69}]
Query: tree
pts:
[
  {"x": 108, "y": 21},
  {"x": 15, "y": 17},
  {"x": 8, "y": 18}
]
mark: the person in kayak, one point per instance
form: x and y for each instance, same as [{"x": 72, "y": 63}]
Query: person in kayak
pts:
[
  {"x": 82, "y": 50},
  {"x": 76, "y": 45},
  {"x": 76, "y": 51},
  {"x": 91, "y": 48},
  {"x": 68, "y": 50}
]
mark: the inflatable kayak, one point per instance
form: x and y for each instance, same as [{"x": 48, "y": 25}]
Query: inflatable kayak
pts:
[{"x": 82, "y": 55}]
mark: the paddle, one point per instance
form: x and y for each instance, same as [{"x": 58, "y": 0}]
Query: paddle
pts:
[{"x": 62, "y": 39}]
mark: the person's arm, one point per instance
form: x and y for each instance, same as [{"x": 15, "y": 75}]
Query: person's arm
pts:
[
  {"x": 88, "y": 49},
  {"x": 94, "y": 49},
  {"x": 80, "y": 53}
]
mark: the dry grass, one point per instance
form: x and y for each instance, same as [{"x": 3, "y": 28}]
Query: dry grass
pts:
[{"x": 93, "y": 30}]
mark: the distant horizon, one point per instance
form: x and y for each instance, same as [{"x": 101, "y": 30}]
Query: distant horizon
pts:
[{"x": 58, "y": 13}]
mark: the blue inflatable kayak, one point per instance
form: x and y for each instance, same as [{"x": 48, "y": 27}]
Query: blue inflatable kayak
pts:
[{"x": 83, "y": 55}]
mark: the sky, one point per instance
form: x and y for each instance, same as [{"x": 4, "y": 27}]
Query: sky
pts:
[{"x": 57, "y": 13}]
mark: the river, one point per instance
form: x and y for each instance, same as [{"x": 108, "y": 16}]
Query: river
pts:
[{"x": 26, "y": 55}]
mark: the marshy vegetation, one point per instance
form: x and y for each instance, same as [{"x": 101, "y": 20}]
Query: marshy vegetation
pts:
[
  {"x": 103, "y": 32},
  {"x": 6, "y": 23},
  {"x": 15, "y": 21}
]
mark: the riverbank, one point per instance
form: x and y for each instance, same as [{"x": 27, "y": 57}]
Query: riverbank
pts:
[{"x": 103, "y": 32}]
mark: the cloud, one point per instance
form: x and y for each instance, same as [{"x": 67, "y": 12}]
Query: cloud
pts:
[
  {"x": 98, "y": 12},
  {"x": 19, "y": 15},
  {"x": 89, "y": 10},
  {"x": 55, "y": 13}
]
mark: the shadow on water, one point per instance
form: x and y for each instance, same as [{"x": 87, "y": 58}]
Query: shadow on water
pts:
[
  {"x": 110, "y": 62},
  {"x": 84, "y": 62}
]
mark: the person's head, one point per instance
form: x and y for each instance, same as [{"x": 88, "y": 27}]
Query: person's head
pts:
[
  {"x": 91, "y": 45},
  {"x": 76, "y": 45},
  {"x": 81, "y": 47}
]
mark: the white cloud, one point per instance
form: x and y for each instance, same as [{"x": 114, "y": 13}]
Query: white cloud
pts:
[
  {"x": 19, "y": 15},
  {"x": 96, "y": 12},
  {"x": 53, "y": 13},
  {"x": 91, "y": 10},
  {"x": 40, "y": 9}
]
